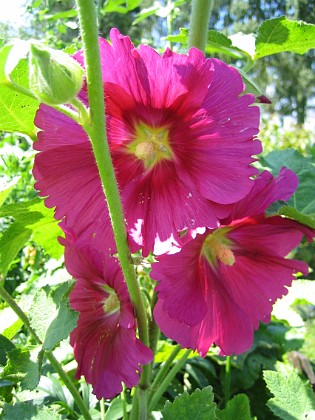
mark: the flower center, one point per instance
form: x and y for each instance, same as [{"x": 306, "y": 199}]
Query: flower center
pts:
[
  {"x": 218, "y": 247},
  {"x": 151, "y": 145},
  {"x": 111, "y": 303}
]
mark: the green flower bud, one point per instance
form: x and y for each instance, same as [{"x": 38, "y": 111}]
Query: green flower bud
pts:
[{"x": 55, "y": 77}]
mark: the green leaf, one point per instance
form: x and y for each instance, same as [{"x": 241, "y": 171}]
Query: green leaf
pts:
[
  {"x": 5, "y": 346},
  {"x": 293, "y": 400},
  {"x": 51, "y": 317},
  {"x": 304, "y": 198},
  {"x": 6, "y": 189},
  {"x": 216, "y": 43},
  {"x": 281, "y": 34},
  {"x": 32, "y": 219},
  {"x": 165, "y": 349},
  {"x": 12, "y": 240},
  {"x": 24, "y": 366},
  {"x": 17, "y": 111},
  {"x": 199, "y": 405},
  {"x": 115, "y": 411},
  {"x": 292, "y": 213},
  {"x": 26, "y": 410},
  {"x": 237, "y": 408},
  {"x": 10, "y": 324}
]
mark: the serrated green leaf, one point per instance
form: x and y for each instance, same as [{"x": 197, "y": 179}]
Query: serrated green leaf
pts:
[
  {"x": 52, "y": 319},
  {"x": 237, "y": 408},
  {"x": 293, "y": 400},
  {"x": 281, "y": 34},
  {"x": 26, "y": 410},
  {"x": 304, "y": 198},
  {"x": 5, "y": 346},
  {"x": 24, "y": 366},
  {"x": 199, "y": 405}
]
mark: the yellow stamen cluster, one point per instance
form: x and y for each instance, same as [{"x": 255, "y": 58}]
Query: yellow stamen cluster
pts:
[
  {"x": 218, "y": 247},
  {"x": 111, "y": 304},
  {"x": 151, "y": 145}
]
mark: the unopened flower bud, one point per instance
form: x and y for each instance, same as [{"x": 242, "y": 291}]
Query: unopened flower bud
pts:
[{"x": 55, "y": 77}]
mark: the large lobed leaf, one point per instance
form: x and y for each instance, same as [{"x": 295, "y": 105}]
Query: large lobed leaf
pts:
[{"x": 281, "y": 34}]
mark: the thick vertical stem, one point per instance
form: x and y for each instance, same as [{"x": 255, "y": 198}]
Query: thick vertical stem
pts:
[
  {"x": 199, "y": 20},
  {"x": 96, "y": 130}
]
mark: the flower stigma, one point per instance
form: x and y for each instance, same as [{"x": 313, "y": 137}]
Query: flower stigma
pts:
[
  {"x": 217, "y": 247},
  {"x": 151, "y": 145},
  {"x": 111, "y": 303}
]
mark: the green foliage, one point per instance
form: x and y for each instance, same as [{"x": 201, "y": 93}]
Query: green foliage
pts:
[
  {"x": 5, "y": 346},
  {"x": 293, "y": 399},
  {"x": 26, "y": 410},
  {"x": 50, "y": 315},
  {"x": 32, "y": 219},
  {"x": 281, "y": 34},
  {"x": 17, "y": 110},
  {"x": 199, "y": 405},
  {"x": 24, "y": 366},
  {"x": 237, "y": 408},
  {"x": 302, "y": 204},
  {"x": 5, "y": 190}
]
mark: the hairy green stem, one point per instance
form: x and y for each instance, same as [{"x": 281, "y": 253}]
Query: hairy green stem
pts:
[
  {"x": 227, "y": 384},
  {"x": 167, "y": 380},
  {"x": 96, "y": 130},
  {"x": 199, "y": 20},
  {"x": 54, "y": 362}
]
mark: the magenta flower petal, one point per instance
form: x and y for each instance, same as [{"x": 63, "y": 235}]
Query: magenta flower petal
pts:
[
  {"x": 106, "y": 325},
  {"x": 266, "y": 190},
  {"x": 182, "y": 139}
]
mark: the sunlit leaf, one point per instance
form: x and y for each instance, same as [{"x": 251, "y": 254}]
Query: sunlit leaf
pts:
[
  {"x": 24, "y": 366},
  {"x": 281, "y": 34},
  {"x": 5, "y": 189},
  {"x": 32, "y": 219},
  {"x": 294, "y": 399},
  {"x": 199, "y": 405},
  {"x": 51, "y": 317}
]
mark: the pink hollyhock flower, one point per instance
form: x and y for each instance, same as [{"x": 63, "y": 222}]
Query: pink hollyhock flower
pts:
[
  {"x": 104, "y": 341},
  {"x": 181, "y": 134},
  {"x": 223, "y": 282}
]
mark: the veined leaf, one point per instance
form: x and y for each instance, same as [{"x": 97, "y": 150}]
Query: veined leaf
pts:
[
  {"x": 199, "y": 405},
  {"x": 281, "y": 34},
  {"x": 293, "y": 399}
]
